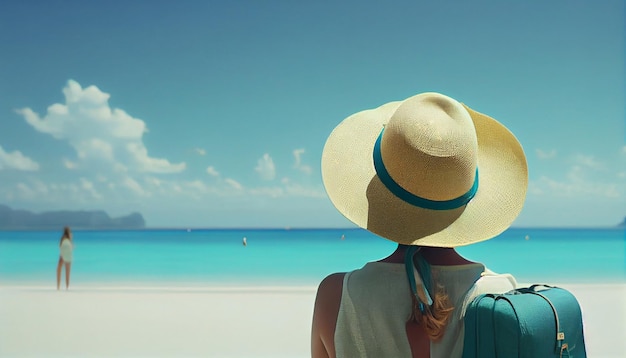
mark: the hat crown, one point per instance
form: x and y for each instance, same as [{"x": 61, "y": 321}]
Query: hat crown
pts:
[{"x": 429, "y": 147}]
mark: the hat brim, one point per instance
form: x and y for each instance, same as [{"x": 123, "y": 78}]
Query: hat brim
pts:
[{"x": 356, "y": 191}]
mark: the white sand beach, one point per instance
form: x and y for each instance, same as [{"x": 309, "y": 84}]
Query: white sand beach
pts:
[{"x": 213, "y": 321}]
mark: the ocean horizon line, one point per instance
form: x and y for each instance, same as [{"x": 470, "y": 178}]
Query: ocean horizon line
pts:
[{"x": 286, "y": 228}]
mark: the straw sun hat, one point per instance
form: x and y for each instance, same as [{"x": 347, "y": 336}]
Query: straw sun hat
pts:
[{"x": 426, "y": 171}]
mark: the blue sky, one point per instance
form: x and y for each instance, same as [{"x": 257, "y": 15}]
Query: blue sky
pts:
[{"x": 215, "y": 113}]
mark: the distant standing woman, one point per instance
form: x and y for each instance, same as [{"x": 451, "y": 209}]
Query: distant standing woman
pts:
[{"x": 65, "y": 247}]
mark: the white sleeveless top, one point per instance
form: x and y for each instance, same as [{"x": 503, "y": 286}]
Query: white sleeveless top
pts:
[
  {"x": 376, "y": 304},
  {"x": 66, "y": 250}
]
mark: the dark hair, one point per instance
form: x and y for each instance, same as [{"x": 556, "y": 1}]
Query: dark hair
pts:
[{"x": 67, "y": 233}]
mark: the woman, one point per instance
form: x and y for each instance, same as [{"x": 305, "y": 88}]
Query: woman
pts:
[
  {"x": 429, "y": 174},
  {"x": 65, "y": 258}
]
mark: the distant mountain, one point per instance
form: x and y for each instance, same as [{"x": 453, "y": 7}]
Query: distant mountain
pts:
[
  {"x": 25, "y": 220},
  {"x": 623, "y": 223}
]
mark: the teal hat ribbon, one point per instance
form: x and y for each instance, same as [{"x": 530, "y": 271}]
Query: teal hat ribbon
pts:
[
  {"x": 419, "y": 276},
  {"x": 412, "y": 199}
]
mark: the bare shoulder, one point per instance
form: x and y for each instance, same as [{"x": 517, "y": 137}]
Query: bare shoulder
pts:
[
  {"x": 329, "y": 294},
  {"x": 331, "y": 283},
  {"x": 325, "y": 313}
]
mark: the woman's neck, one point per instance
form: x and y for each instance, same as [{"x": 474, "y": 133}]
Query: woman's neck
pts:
[{"x": 441, "y": 256}]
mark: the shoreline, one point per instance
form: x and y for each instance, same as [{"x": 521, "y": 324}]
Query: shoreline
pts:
[
  {"x": 55, "y": 228},
  {"x": 265, "y": 289},
  {"x": 228, "y": 282},
  {"x": 217, "y": 321},
  {"x": 213, "y": 286}
]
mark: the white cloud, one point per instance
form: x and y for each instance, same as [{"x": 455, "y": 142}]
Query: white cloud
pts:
[
  {"x": 233, "y": 183},
  {"x": 273, "y": 192},
  {"x": 69, "y": 164},
  {"x": 541, "y": 154},
  {"x": 197, "y": 185},
  {"x": 150, "y": 195},
  {"x": 580, "y": 188},
  {"x": 40, "y": 187},
  {"x": 154, "y": 181},
  {"x": 65, "y": 196},
  {"x": 298, "y": 164},
  {"x": 134, "y": 186},
  {"x": 302, "y": 191},
  {"x": 576, "y": 184},
  {"x": 153, "y": 165},
  {"x": 212, "y": 172},
  {"x": 95, "y": 148},
  {"x": 306, "y": 169},
  {"x": 588, "y": 161},
  {"x": 112, "y": 167},
  {"x": 26, "y": 191},
  {"x": 87, "y": 186},
  {"x": 99, "y": 133},
  {"x": 31, "y": 190},
  {"x": 297, "y": 153},
  {"x": 16, "y": 160},
  {"x": 119, "y": 168},
  {"x": 587, "y": 177},
  {"x": 265, "y": 167}
]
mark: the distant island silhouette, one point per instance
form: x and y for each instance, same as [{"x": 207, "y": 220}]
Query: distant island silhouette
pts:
[
  {"x": 622, "y": 224},
  {"x": 55, "y": 220}
]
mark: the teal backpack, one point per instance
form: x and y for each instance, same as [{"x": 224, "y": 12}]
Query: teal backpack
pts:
[{"x": 539, "y": 321}]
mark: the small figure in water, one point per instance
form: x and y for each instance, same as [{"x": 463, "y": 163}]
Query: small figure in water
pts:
[
  {"x": 245, "y": 242},
  {"x": 343, "y": 237}
]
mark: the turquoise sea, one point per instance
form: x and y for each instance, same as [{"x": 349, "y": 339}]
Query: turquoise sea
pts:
[{"x": 290, "y": 256}]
